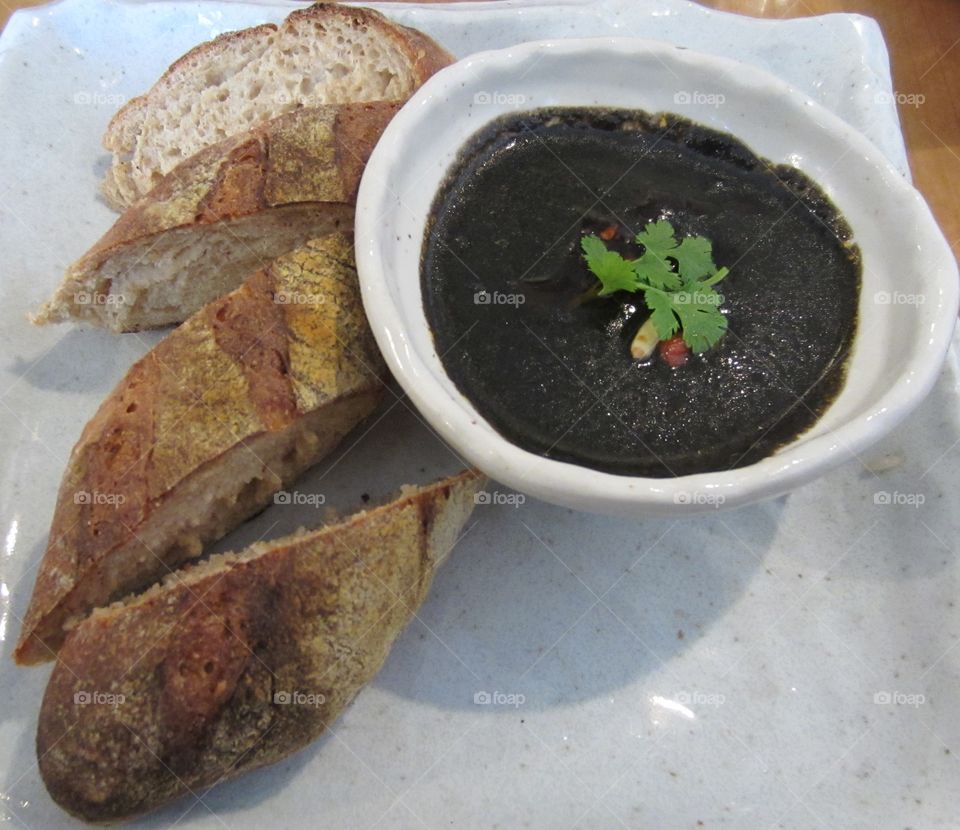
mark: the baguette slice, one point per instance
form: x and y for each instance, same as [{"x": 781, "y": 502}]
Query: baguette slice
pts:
[
  {"x": 236, "y": 205},
  {"x": 325, "y": 54},
  {"x": 202, "y": 432},
  {"x": 241, "y": 660}
]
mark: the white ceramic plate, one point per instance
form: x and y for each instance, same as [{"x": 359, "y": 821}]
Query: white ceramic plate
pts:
[
  {"x": 909, "y": 294},
  {"x": 720, "y": 670}
]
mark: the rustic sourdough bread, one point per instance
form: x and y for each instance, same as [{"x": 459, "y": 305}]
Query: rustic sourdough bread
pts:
[
  {"x": 239, "y": 661},
  {"x": 225, "y": 212},
  {"x": 202, "y": 431},
  {"x": 325, "y": 54}
]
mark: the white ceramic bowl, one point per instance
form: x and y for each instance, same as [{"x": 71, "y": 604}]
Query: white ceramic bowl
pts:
[{"x": 909, "y": 295}]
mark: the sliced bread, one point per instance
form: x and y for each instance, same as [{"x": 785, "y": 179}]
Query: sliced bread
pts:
[
  {"x": 325, "y": 54},
  {"x": 241, "y": 660},
  {"x": 225, "y": 212},
  {"x": 203, "y": 431}
]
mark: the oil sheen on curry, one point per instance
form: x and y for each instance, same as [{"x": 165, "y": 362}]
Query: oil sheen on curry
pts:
[{"x": 560, "y": 361}]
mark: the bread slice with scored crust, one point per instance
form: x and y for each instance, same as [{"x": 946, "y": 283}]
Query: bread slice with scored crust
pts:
[
  {"x": 324, "y": 54},
  {"x": 227, "y": 211},
  {"x": 239, "y": 661},
  {"x": 203, "y": 430}
]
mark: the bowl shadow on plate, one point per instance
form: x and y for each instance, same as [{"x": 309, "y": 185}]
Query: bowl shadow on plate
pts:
[
  {"x": 563, "y": 607},
  {"x": 901, "y": 495}
]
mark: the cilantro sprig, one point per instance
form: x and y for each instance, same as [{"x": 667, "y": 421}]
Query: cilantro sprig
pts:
[{"x": 676, "y": 277}]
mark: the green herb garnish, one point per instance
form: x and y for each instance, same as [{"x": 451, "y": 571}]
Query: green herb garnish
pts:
[{"x": 676, "y": 278}]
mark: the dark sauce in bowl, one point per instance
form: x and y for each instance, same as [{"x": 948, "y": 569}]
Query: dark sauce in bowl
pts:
[{"x": 503, "y": 281}]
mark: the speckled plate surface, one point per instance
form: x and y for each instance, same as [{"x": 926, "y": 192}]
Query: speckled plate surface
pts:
[{"x": 788, "y": 665}]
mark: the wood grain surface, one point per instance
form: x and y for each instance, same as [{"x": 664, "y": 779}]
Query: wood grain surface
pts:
[{"x": 924, "y": 41}]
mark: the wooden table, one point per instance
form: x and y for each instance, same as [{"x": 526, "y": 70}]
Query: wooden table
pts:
[{"x": 924, "y": 41}]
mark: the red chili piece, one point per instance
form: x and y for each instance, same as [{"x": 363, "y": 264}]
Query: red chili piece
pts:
[
  {"x": 608, "y": 233},
  {"x": 674, "y": 352}
]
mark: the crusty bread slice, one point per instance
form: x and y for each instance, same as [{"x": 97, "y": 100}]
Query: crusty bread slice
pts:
[
  {"x": 325, "y": 54},
  {"x": 239, "y": 661},
  {"x": 223, "y": 213},
  {"x": 203, "y": 430}
]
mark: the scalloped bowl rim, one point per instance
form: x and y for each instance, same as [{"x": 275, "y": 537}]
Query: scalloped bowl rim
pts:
[{"x": 454, "y": 418}]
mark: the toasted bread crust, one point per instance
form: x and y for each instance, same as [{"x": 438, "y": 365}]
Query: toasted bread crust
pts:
[
  {"x": 291, "y": 342},
  {"x": 312, "y": 155},
  {"x": 241, "y": 662}
]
